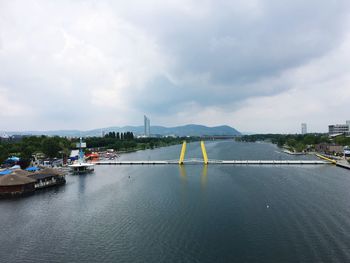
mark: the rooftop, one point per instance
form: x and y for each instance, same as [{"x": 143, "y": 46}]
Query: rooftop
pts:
[{"x": 14, "y": 179}]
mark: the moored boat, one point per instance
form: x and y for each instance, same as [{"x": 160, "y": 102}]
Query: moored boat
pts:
[{"x": 81, "y": 166}]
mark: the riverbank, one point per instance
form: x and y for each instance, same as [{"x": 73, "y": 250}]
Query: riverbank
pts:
[{"x": 338, "y": 161}]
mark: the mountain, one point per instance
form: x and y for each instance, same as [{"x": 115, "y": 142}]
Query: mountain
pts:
[
  {"x": 186, "y": 130},
  {"x": 195, "y": 130}
]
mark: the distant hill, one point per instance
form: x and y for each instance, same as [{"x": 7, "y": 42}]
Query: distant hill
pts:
[
  {"x": 186, "y": 130},
  {"x": 195, "y": 130}
]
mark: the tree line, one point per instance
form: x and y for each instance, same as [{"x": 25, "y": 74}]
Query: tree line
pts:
[
  {"x": 120, "y": 136},
  {"x": 296, "y": 142},
  {"x": 25, "y": 148},
  {"x": 58, "y": 147},
  {"x": 127, "y": 142}
]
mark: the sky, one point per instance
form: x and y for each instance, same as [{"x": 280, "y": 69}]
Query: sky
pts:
[{"x": 257, "y": 65}]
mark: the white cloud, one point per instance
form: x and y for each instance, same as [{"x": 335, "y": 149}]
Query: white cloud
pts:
[
  {"x": 75, "y": 54},
  {"x": 258, "y": 65},
  {"x": 9, "y": 108},
  {"x": 319, "y": 95}
]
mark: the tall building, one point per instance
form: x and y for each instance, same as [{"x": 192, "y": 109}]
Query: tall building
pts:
[
  {"x": 303, "y": 128},
  {"x": 147, "y": 126}
]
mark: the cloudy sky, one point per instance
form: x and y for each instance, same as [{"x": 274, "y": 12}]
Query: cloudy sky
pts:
[{"x": 259, "y": 66}]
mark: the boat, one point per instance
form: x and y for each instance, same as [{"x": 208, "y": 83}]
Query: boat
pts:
[
  {"x": 347, "y": 151},
  {"x": 293, "y": 153},
  {"x": 81, "y": 166}
]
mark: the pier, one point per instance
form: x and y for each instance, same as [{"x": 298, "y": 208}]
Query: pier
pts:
[{"x": 206, "y": 161}]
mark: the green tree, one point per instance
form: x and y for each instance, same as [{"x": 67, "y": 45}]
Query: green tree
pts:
[
  {"x": 27, "y": 151},
  {"x": 291, "y": 142},
  {"x": 50, "y": 147},
  {"x": 309, "y": 139},
  {"x": 4, "y": 153},
  {"x": 299, "y": 147}
]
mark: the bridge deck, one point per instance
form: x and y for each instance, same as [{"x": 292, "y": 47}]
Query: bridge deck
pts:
[{"x": 216, "y": 162}]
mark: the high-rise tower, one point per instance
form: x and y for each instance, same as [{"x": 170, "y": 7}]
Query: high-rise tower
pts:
[
  {"x": 303, "y": 128},
  {"x": 147, "y": 126}
]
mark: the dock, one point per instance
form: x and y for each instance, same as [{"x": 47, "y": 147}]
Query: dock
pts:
[
  {"x": 343, "y": 164},
  {"x": 215, "y": 162}
]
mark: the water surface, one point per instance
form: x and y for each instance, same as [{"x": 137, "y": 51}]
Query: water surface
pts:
[{"x": 188, "y": 214}]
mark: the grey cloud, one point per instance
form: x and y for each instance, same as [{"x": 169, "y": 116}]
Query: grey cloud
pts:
[
  {"x": 281, "y": 38},
  {"x": 240, "y": 50},
  {"x": 212, "y": 53}
]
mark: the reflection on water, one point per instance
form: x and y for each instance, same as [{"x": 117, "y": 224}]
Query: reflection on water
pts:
[
  {"x": 183, "y": 175},
  {"x": 204, "y": 177},
  {"x": 81, "y": 183}
]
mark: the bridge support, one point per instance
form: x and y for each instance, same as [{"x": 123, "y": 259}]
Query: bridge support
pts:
[
  {"x": 183, "y": 151},
  {"x": 204, "y": 152}
]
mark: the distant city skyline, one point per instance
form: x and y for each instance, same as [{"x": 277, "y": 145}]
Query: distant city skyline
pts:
[{"x": 258, "y": 66}]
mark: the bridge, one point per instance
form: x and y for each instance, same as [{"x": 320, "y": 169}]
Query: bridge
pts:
[{"x": 206, "y": 160}]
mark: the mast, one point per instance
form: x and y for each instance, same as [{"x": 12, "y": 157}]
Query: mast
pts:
[{"x": 81, "y": 145}]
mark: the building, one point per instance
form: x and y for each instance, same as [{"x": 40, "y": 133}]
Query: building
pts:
[
  {"x": 20, "y": 182},
  {"x": 47, "y": 177},
  {"x": 338, "y": 129},
  {"x": 303, "y": 128},
  {"x": 327, "y": 148},
  {"x": 5, "y": 137},
  {"x": 13, "y": 184},
  {"x": 147, "y": 126}
]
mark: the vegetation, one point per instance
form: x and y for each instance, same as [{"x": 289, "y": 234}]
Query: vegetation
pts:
[
  {"x": 52, "y": 147},
  {"x": 128, "y": 142},
  {"x": 296, "y": 142},
  {"x": 25, "y": 148}
]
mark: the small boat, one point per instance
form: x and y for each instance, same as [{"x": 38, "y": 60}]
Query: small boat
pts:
[{"x": 81, "y": 166}]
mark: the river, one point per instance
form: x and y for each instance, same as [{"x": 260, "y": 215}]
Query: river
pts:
[{"x": 186, "y": 214}]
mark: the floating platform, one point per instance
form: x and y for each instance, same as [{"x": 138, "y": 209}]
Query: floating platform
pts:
[
  {"x": 206, "y": 161},
  {"x": 217, "y": 162}
]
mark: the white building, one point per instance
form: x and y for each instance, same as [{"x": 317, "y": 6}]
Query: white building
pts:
[
  {"x": 339, "y": 129},
  {"x": 303, "y": 128}
]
